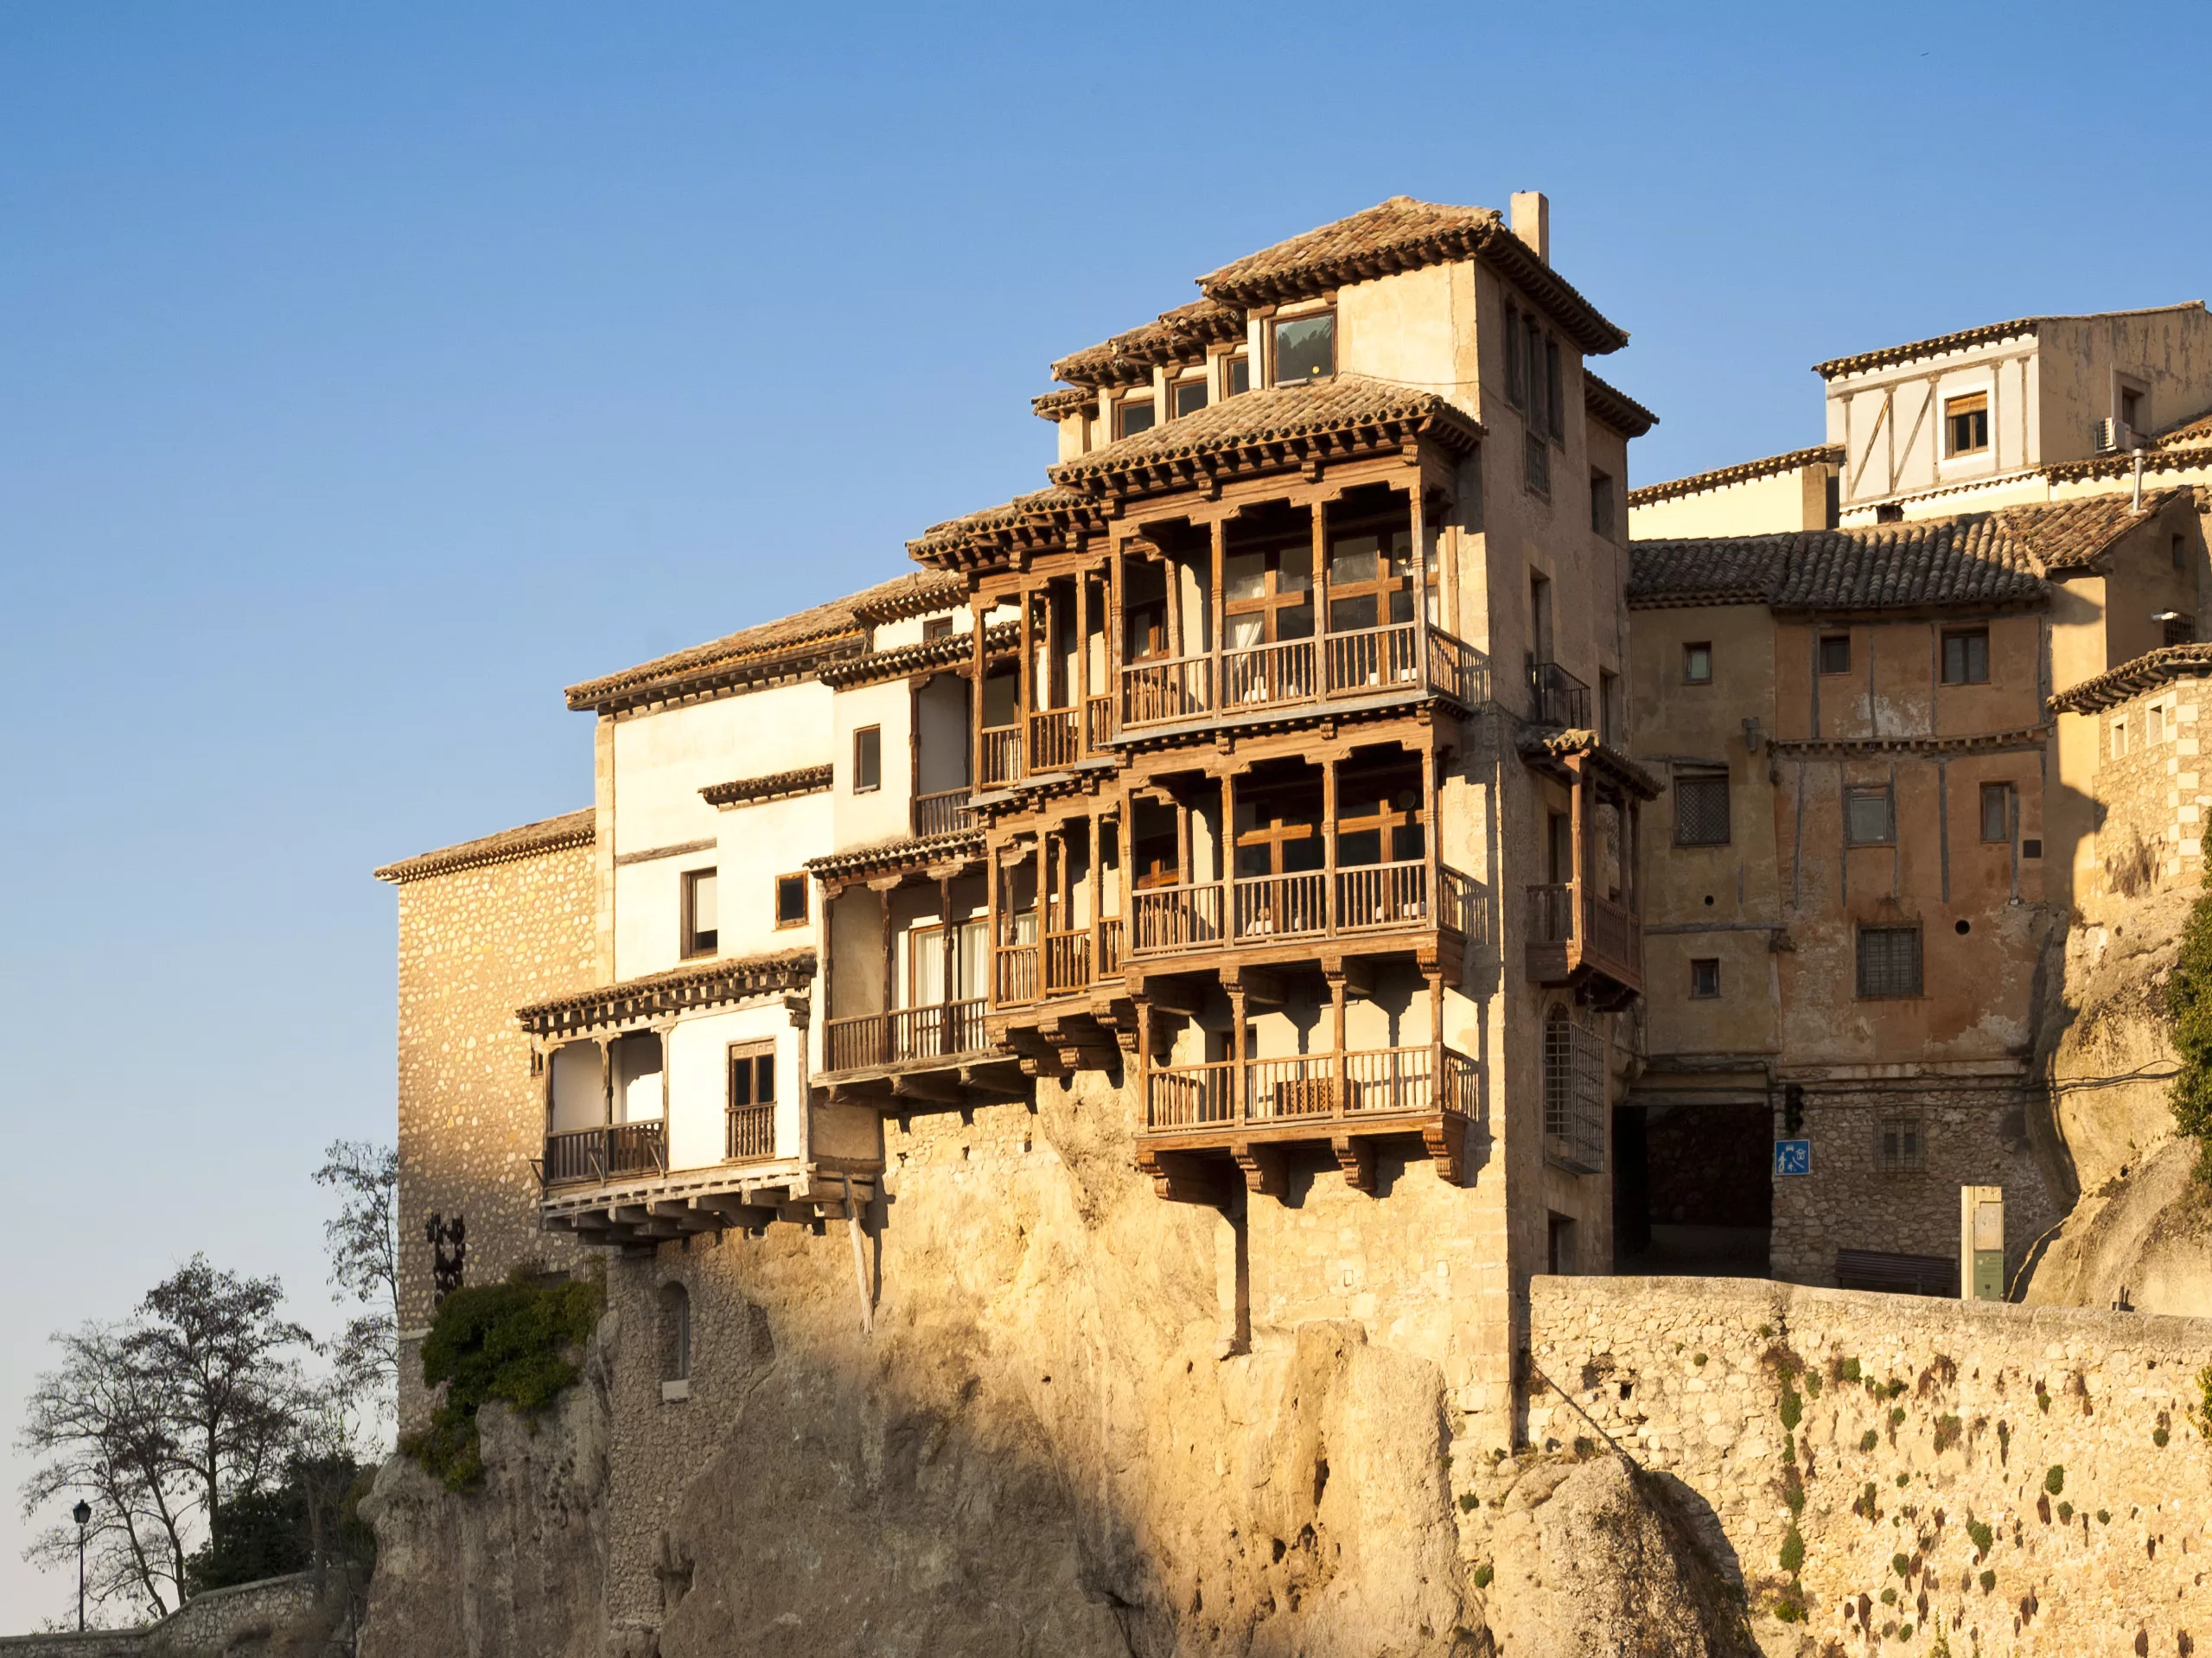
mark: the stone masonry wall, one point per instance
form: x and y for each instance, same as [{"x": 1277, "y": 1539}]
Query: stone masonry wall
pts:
[
  {"x": 220, "y": 1621},
  {"x": 1900, "y": 1426},
  {"x": 475, "y": 944},
  {"x": 1971, "y": 1136},
  {"x": 2154, "y": 796}
]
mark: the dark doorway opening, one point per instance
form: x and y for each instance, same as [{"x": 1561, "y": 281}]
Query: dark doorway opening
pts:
[{"x": 1692, "y": 1189}]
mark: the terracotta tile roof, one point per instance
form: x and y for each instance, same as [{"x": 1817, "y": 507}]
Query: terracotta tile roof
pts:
[
  {"x": 2188, "y": 434},
  {"x": 697, "y": 983},
  {"x": 1616, "y": 407},
  {"x": 1177, "y": 337},
  {"x": 2182, "y": 457},
  {"x": 1402, "y": 234},
  {"x": 777, "y": 785},
  {"x": 2131, "y": 679},
  {"x": 1966, "y": 337},
  {"x": 774, "y": 649},
  {"x": 903, "y": 660},
  {"x": 1543, "y": 746},
  {"x": 1742, "y": 472},
  {"x": 1067, "y": 400},
  {"x": 904, "y": 852},
  {"x": 1999, "y": 557},
  {"x": 528, "y": 840},
  {"x": 1044, "y": 519},
  {"x": 1270, "y": 430}
]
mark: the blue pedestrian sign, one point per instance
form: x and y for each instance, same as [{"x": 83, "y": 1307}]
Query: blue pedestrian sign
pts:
[{"x": 1793, "y": 1157}]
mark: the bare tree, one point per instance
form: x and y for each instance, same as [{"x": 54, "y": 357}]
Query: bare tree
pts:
[
  {"x": 230, "y": 1385},
  {"x": 363, "y": 1244},
  {"x": 100, "y": 1427}
]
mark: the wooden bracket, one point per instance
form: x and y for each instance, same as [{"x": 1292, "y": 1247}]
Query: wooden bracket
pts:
[
  {"x": 1263, "y": 1166},
  {"x": 1183, "y": 1177},
  {"x": 1356, "y": 1155},
  {"x": 1446, "y": 1138}
]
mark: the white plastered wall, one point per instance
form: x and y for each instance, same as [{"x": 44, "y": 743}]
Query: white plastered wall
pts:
[{"x": 699, "y": 1085}]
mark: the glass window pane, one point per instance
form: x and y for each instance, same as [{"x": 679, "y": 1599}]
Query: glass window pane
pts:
[
  {"x": 1348, "y": 616},
  {"x": 764, "y": 1080},
  {"x": 1869, "y": 818},
  {"x": 1995, "y": 811},
  {"x": 1240, "y": 375},
  {"x": 1305, "y": 348},
  {"x": 740, "y": 1082},
  {"x": 1293, "y": 570},
  {"x": 1135, "y": 416},
  {"x": 1244, "y": 575},
  {"x": 702, "y": 916},
  {"x": 1354, "y": 558},
  {"x": 1190, "y": 398},
  {"x": 1245, "y": 632}
]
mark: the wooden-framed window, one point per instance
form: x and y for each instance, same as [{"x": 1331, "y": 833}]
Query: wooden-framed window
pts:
[
  {"x": 1268, "y": 593},
  {"x": 1371, "y": 579},
  {"x": 1237, "y": 371},
  {"x": 1835, "y": 652},
  {"x": 1701, "y": 809},
  {"x": 1278, "y": 832},
  {"x": 1516, "y": 372},
  {"x": 1600, "y": 502},
  {"x": 1870, "y": 816},
  {"x": 936, "y": 628},
  {"x": 1187, "y": 396},
  {"x": 1132, "y": 416},
  {"x": 1697, "y": 663},
  {"x": 1901, "y": 1143},
  {"x": 750, "y": 1110},
  {"x": 867, "y": 759},
  {"x": 1966, "y": 424},
  {"x": 1378, "y": 824},
  {"x": 1889, "y": 963},
  {"x": 791, "y": 900},
  {"x": 1305, "y": 347},
  {"x": 1704, "y": 978},
  {"x": 1997, "y": 812},
  {"x": 1966, "y": 657},
  {"x": 699, "y": 927},
  {"x": 925, "y": 967},
  {"x": 1555, "y": 419}
]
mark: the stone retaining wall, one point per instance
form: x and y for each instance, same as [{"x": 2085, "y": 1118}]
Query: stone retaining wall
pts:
[
  {"x": 1898, "y": 1426},
  {"x": 210, "y": 1623}
]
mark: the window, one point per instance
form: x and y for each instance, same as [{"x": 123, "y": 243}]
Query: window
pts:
[
  {"x": 1189, "y": 397},
  {"x": 1536, "y": 462},
  {"x": 1903, "y": 1147},
  {"x": 1966, "y": 657},
  {"x": 2181, "y": 554},
  {"x": 1997, "y": 812},
  {"x": 1889, "y": 512},
  {"x": 867, "y": 759},
  {"x": 936, "y": 628},
  {"x": 2154, "y": 724},
  {"x": 1305, "y": 347},
  {"x": 1701, "y": 811},
  {"x": 1696, "y": 664},
  {"x": 675, "y": 1338},
  {"x": 1574, "y": 1093},
  {"x": 1835, "y": 652},
  {"x": 1600, "y": 502},
  {"x": 2120, "y": 739},
  {"x": 790, "y": 900},
  {"x": 700, "y": 932},
  {"x": 751, "y": 1130},
  {"x": 1704, "y": 978},
  {"x": 1888, "y": 962},
  {"x": 1516, "y": 375},
  {"x": 1869, "y": 817},
  {"x": 1132, "y": 416},
  {"x": 1966, "y": 424},
  {"x": 1554, "y": 404},
  {"x": 1239, "y": 374},
  {"x": 2130, "y": 407},
  {"x": 2179, "y": 629}
]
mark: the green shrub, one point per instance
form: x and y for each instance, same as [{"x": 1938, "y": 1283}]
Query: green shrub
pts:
[
  {"x": 2065, "y": 1513},
  {"x": 1902, "y": 1565},
  {"x": 1766, "y": 1332},
  {"x": 1982, "y": 1538},
  {"x": 1792, "y": 1558},
  {"x": 1793, "y": 1493},
  {"x": 1698, "y": 1358},
  {"x": 1793, "y": 1409},
  {"x": 1813, "y": 1383},
  {"x": 1851, "y": 1369},
  {"x": 2158, "y": 1437},
  {"x": 1467, "y": 1501},
  {"x": 1483, "y": 1575},
  {"x": 2104, "y": 1516},
  {"x": 1869, "y": 1439},
  {"x": 2055, "y": 1481},
  {"x": 1988, "y": 1581},
  {"x": 1947, "y": 1431},
  {"x": 2188, "y": 1005},
  {"x": 1888, "y": 1597},
  {"x": 1898, "y": 1416},
  {"x": 1904, "y": 1632},
  {"x": 1903, "y": 1480},
  {"x": 1790, "y": 1610},
  {"x": 509, "y": 1341}
]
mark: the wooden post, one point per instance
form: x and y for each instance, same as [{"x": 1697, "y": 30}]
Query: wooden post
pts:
[
  {"x": 1096, "y": 965},
  {"x": 991, "y": 889},
  {"x": 1144, "y": 1057},
  {"x": 1341, "y": 1088},
  {"x": 1216, "y": 616},
  {"x": 980, "y": 659},
  {"x": 607, "y": 1079},
  {"x": 1320, "y": 595},
  {"x": 1025, "y": 696},
  {"x": 949, "y": 991},
  {"x": 1448, "y": 582},
  {"x": 1236, "y": 1051},
  {"x": 890, "y": 962},
  {"x": 1418, "y": 523},
  {"x": 1328, "y": 845},
  {"x": 1580, "y": 924},
  {"x": 1228, "y": 853}
]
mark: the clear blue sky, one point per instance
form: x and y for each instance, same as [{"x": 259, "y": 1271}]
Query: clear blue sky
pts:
[{"x": 367, "y": 374}]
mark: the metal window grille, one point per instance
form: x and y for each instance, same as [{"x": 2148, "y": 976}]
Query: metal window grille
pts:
[
  {"x": 1889, "y": 961},
  {"x": 1574, "y": 1095},
  {"x": 1869, "y": 817},
  {"x": 1701, "y": 812},
  {"x": 1903, "y": 1145},
  {"x": 1537, "y": 459}
]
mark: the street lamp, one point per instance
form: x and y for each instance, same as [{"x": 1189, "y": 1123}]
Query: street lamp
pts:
[{"x": 82, "y": 1513}]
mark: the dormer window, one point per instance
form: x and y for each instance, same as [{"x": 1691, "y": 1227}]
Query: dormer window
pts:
[
  {"x": 1132, "y": 416},
  {"x": 1189, "y": 397},
  {"x": 1240, "y": 375},
  {"x": 1305, "y": 347}
]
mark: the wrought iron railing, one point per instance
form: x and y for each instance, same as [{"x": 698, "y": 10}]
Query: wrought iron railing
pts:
[{"x": 1557, "y": 697}]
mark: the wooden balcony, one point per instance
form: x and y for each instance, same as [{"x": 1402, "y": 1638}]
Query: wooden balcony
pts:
[
  {"x": 749, "y": 1133},
  {"x": 946, "y": 813},
  {"x": 1316, "y": 904},
  {"x": 948, "y": 1030},
  {"x": 1577, "y": 936},
  {"x": 999, "y": 756},
  {"x": 1333, "y": 667},
  {"x": 1345, "y": 1100},
  {"x": 595, "y": 1155}
]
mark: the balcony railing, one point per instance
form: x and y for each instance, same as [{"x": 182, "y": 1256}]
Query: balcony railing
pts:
[
  {"x": 1053, "y": 740},
  {"x": 1358, "y": 662},
  {"x": 1001, "y": 757},
  {"x": 1269, "y": 673},
  {"x": 1176, "y": 918},
  {"x": 1372, "y": 658},
  {"x": 1098, "y": 724},
  {"x": 1382, "y": 895},
  {"x": 1597, "y": 933},
  {"x": 616, "y": 1151},
  {"x": 1320, "y": 1088},
  {"x": 1313, "y": 903},
  {"x": 749, "y": 1133},
  {"x": 1067, "y": 962},
  {"x": 1152, "y": 693},
  {"x": 942, "y": 1030},
  {"x": 1280, "y": 905},
  {"x": 1557, "y": 697},
  {"x": 1014, "y": 975},
  {"x": 945, "y": 812}
]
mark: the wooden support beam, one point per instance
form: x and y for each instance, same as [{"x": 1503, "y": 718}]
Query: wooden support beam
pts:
[
  {"x": 1184, "y": 1176},
  {"x": 1263, "y": 1165},
  {"x": 1356, "y": 1155},
  {"x": 680, "y": 1212},
  {"x": 933, "y": 1087},
  {"x": 731, "y": 1209},
  {"x": 1175, "y": 996},
  {"x": 1003, "y": 1079},
  {"x": 1446, "y": 1138},
  {"x": 1257, "y": 986}
]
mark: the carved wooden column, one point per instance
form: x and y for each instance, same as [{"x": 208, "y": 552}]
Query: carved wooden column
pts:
[
  {"x": 1216, "y": 602},
  {"x": 1321, "y": 598},
  {"x": 947, "y": 985},
  {"x": 1418, "y": 522},
  {"x": 1328, "y": 845},
  {"x": 1236, "y": 1051}
]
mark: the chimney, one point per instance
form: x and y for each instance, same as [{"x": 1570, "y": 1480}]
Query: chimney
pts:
[{"x": 1532, "y": 221}]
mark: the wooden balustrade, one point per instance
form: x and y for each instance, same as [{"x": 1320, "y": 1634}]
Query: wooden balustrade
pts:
[
  {"x": 1360, "y": 1085},
  {"x": 1382, "y": 895},
  {"x": 938, "y": 1030},
  {"x": 1001, "y": 759},
  {"x": 749, "y": 1133},
  {"x": 1053, "y": 740},
  {"x": 1613, "y": 942},
  {"x": 1111, "y": 943},
  {"x": 945, "y": 812},
  {"x": 1598, "y": 933},
  {"x": 1458, "y": 670},
  {"x": 1260, "y": 674},
  {"x": 1280, "y": 905},
  {"x": 1067, "y": 962},
  {"x": 1098, "y": 724},
  {"x": 1177, "y": 918},
  {"x": 1014, "y": 975},
  {"x": 613, "y": 1151},
  {"x": 1371, "y": 658},
  {"x": 1178, "y": 689}
]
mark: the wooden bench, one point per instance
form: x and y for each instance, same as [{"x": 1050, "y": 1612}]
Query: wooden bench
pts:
[{"x": 1892, "y": 1274}]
